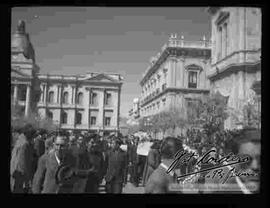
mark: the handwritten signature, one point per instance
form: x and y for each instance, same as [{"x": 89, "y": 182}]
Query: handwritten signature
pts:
[{"x": 184, "y": 157}]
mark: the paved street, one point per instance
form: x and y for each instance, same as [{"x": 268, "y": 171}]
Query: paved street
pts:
[{"x": 128, "y": 189}]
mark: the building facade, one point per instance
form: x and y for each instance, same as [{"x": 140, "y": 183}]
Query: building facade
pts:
[
  {"x": 176, "y": 76},
  {"x": 89, "y": 102},
  {"x": 86, "y": 102},
  {"x": 25, "y": 90},
  {"x": 236, "y": 57}
]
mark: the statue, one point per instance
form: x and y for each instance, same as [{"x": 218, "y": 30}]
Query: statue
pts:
[{"x": 21, "y": 26}]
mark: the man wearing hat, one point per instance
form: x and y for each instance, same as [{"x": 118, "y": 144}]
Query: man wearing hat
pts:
[
  {"x": 57, "y": 172},
  {"x": 116, "y": 168}
]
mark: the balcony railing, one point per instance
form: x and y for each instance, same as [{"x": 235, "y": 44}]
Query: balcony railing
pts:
[{"x": 188, "y": 44}]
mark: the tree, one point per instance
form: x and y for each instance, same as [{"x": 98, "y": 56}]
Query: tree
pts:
[
  {"x": 18, "y": 119},
  {"x": 209, "y": 114}
]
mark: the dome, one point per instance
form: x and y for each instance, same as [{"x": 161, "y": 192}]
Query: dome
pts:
[{"x": 20, "y": 42}]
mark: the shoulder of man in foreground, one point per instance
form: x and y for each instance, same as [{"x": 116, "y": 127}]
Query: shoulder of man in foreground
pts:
[{"x": 157, "y": 182}]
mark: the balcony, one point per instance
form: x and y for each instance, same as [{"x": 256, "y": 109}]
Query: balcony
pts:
[{"x": 188, "y": 44}]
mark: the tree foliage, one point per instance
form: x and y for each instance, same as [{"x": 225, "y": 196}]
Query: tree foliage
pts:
[
  {"x": 19, "y": 120},
  {"x": 209, "y": 113}
]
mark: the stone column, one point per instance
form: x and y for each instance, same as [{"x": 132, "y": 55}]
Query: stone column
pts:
[
  {"x": 241, "y": 32},
  {"x": 45, "y": 94},
  {"x": 28, "y": 100},
  {"x": 118, "y": 109},
  {"x": 182, "y": 72},
  {"x": 170, "y": 74},
  {"x": 15, "y": 95},
  {"x": 101, "y": 108},
  {"x": 87, "y": 109},
  {"x": 174, "y": 63}
]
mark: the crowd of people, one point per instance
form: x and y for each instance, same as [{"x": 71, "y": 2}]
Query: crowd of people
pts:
[{"x": 62, "y": 162}]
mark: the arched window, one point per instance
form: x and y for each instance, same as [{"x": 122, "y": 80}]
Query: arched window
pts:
[
  {"x": 64, "y": 118},
  {"x": 51, "y": 97},
  {"x": 65, "y": 98},
  {"x": 80, "y": 98},
  {"x": 50, "y": 115},
  {"x": 78, "y": 118}
]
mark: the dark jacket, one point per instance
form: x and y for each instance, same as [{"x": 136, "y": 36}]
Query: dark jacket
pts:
[
  {"x": 116, "y": 166},
  {"x": 44, "y": 179},
  {"x": 152, "y": 162},
  {"x": 158, "y": 182},
  {"x": 39, "y": 146},
  {"x": 132, "y": 153}
]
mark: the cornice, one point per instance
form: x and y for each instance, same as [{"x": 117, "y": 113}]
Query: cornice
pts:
[
  {"x": 233, "y": 68},
  {"x": 174, "y": 53},
  {"x": 175, "y": 90}
]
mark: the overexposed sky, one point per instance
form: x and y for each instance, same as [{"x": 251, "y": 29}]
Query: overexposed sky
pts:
[{"x": 75, "y": 40}]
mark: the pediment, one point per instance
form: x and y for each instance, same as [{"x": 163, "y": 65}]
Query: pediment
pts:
[{"x": 101, "y": 78}]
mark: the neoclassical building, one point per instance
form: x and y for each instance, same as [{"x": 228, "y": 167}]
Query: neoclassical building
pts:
[
  {"x": 176, "y": 76},
  {"x": 89, "y": 102},
  {"x": 25, "y": 89},
  {"x": 134, "y": 112},
  {"x": 85, "y": 102},
  {"x": 236, "y": 56}
]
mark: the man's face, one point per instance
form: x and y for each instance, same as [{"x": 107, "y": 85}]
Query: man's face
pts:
[
  {"x": 253, "y": 150},
  {"x": 91, "y": 145},
  {"x": 60, "y": 146},
  {"x": 80, "y": 142},
  {"x": 115, "y": 145}
]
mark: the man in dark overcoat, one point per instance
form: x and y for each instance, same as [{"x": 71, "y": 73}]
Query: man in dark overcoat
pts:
[{"x": 116, "y": 168}]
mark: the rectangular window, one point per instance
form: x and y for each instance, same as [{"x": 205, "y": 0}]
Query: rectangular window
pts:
[
  {"x": 22, "y": 92},
  {"x": 192, "y": 79},
  {"x": 108, "y": 99},
  {"x": 93, "y": 120},
  {"x": 222, "y": 35},
  {"x": 226, "y": 44},
  {"x": 164, "y": 87},
  {"x": 107, "y": 121},
  {"x": 93, "y": 99},
  {"x": 219, "y": 43},
  {"x": 164, "y": 101}
]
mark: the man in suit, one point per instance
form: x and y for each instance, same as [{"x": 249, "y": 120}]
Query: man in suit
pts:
[
  {"x": 159, "y": 180},
  {"x": 44, "y": 179},
  {"x": 116, "y": 168},
  {"x": 95, "y": 159},
  {"x": 39, "y": 148},
  {"x": 50, "y": 164}
]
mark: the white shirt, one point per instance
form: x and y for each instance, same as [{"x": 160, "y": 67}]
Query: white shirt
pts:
[
  {"x": 57, "y": 159},
  {"x": 166, "y": 168}
]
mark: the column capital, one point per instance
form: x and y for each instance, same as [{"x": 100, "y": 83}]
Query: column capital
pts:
[{"x": 182, "y": 59}]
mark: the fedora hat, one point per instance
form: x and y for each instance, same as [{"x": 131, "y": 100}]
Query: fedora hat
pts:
[{"x": 64, "y": 174}]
